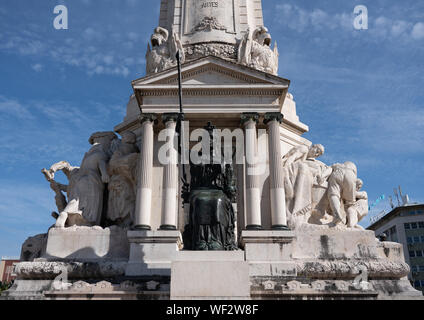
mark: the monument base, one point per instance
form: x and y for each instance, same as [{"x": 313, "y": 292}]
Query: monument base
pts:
[{"x": 309, "y": 263}]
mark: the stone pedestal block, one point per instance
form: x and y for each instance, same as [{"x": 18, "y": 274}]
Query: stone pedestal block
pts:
[
  {"x": 269, "y": 253},
  {"x": 152, "y": 252},
  {"x": 210, "y": 275},
  {"x": 267, "y": 245},
  {"x": 87, "y": 244},
  {"x": 324, "y": 243}
]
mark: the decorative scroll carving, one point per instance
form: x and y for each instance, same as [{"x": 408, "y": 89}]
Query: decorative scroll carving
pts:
[
  {"x": 225, "y": 51},
  {"x": 207, "y": 24}
]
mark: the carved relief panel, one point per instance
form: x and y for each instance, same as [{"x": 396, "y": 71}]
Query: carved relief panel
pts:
[{"x": 208, "y": 21}]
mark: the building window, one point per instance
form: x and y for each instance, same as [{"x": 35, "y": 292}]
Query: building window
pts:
[
  {"x": 416, "y": 239},
  {"x": 422, "y": 239},
  {"x": 420, "y": 212},
  {"x": 407, "y": 226},
  {"x": 417, "y": 284},
  {"x": 421, "y": 269},
  {"x": 422, "y": 283},
  {"x": 414, "y": 225},
  {"x": 414, "y": 268},
  {"x": 421, "y": 225},
  {"x": 410, "y": 240},
  {"x": 412, "y": 254},
  {"x": 419, "y": 253}
]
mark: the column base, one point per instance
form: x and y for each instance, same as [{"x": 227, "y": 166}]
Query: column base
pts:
[
  {"x": 142, "y": 227},
  {"x": 280, "y": 227},
  {"x": 167, "y": 227},
  {"x": 254, "y": 227}
]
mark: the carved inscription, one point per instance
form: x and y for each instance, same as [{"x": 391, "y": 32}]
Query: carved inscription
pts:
[
  {"x": 210, "y": 4},
  {"x": 209, "y": 15}
]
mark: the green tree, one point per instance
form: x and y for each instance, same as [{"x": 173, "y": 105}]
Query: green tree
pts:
[{"x": 4, "y": 286}]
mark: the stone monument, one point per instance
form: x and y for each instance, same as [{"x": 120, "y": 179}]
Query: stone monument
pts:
[{"x": 269, "y": 221}]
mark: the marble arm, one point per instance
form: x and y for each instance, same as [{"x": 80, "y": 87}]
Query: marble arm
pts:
[
  {"x": 62, "y": 166},
  {"x": 361, "y": 195}
]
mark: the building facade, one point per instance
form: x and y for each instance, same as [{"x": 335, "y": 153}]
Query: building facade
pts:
[
  {"x": 405, "y": 225},
  {"x": 6, "y": 269}
]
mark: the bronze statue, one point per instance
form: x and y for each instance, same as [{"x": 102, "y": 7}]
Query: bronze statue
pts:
[{"x": 211, "y": 194}]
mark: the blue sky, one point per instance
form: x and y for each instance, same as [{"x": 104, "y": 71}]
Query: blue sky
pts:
[{"x": 361, "y": 92}]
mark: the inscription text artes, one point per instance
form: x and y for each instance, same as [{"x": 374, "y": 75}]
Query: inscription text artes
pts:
[
  {"x": 206, "y": 16},
  {"x": 209, "y": 5}
]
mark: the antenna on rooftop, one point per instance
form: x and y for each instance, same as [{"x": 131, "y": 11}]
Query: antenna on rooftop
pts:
[
  {"x": 405, "y": 198},
  {"x": 397, "y": 196},
  {"x": 391, "y": 202}
]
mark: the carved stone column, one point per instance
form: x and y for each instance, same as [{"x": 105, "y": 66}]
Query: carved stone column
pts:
[
  {"x": 276, "y": 172},
  {"x": 253, "y": 196},
  {"x": 143, "y": 208},
  {"x": 170, "y": 186}
]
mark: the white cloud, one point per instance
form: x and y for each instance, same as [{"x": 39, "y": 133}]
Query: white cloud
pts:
[
  {"x": 96, "y": 51},
  {"x": 37, "y": 67},
  {"x": 418, "y": 31},
  {"x": 301, "y": 20},
  {"x": 14, "y": 108}
]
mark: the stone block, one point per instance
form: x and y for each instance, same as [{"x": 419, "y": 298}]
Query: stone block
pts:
[
  {"x": 274, "y": 269},
  {"x": 267, "y": 245},
  {"x": 324, "y": 243},
  {"x": 86, "y": 244},
  {"x": 210, "y": 276},
  {"x": 151, "y": 252}
]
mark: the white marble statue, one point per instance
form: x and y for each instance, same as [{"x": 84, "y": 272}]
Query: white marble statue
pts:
[
  {"x": 86, "y": 183},
  {"x": 163, "y": 53},
  {"x": 342, "y": 190},
  {"x": 359, "y": 210},
  {"x": 122, "y": 186},
  {"x": 303, "y": 172},
  {"x": 255, "y": 51},
  {"x": 320, "y": 194}
]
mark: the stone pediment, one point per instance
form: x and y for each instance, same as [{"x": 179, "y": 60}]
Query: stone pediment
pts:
[{"x": 211, "y": 71}]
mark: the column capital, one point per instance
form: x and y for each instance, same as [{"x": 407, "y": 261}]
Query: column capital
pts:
[
  {"x": 273, "y": 116},
  {"x": 150, "y": 117},
  {"x": 167, "y": 117},
  {"x": 249, "y": 116}
]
